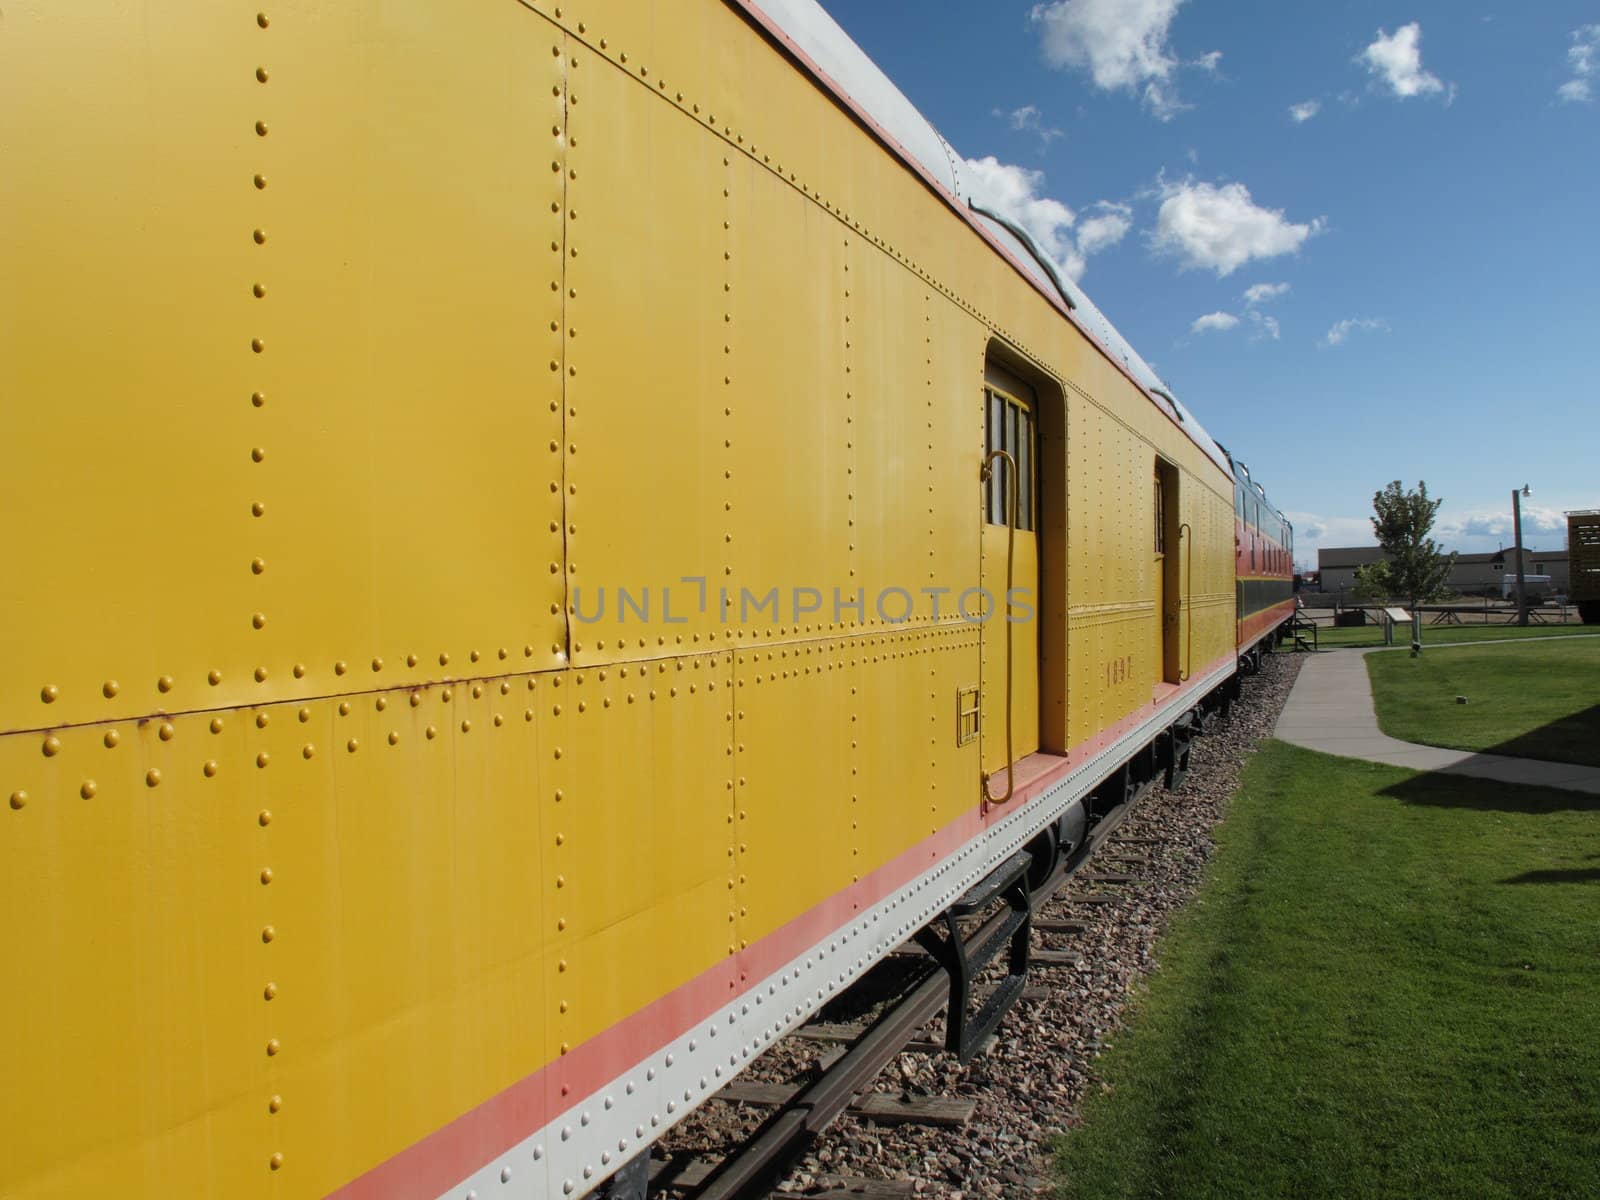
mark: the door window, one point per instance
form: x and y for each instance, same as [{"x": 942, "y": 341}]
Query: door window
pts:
[{"x": 1009, "y": 426}]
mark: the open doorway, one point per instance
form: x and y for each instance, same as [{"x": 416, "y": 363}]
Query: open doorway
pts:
[{"x": 1166, "y": 574}]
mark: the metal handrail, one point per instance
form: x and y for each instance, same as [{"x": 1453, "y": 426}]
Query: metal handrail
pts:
[
  {"x": 1186, "y": 601},
  {"x": 1011, "y": 559}
]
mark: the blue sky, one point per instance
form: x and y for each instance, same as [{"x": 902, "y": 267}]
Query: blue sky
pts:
[{"x": 1412, "y": 191}]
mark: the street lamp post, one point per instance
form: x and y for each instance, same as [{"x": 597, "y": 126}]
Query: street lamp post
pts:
[{"x": 1516, "y": 533}]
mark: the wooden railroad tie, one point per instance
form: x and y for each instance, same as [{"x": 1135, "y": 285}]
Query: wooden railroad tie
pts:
[
  {"x": 881, "y": 1107},
  {"x": 688, "y": 1172},
  {"x": 847, "y": 1185},
  {"x": 1086, "y": 898},
  {"x": 1106, "y": 877},
  {"x": 1054, "y": 926},
  {"x": 1054, "y": 958},
  {"x": 681, "y": 1171},
  {"x": 837, "y": 1035},
  {"x": 834, "y": 1033}
]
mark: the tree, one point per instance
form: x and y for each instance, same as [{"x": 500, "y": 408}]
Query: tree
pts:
[
  {"x": 1414, "y": 566},
  {"x": 1374, "y": 582}
]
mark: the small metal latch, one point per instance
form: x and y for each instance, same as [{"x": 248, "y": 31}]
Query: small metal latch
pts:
[{"x": 966, "y": 714}]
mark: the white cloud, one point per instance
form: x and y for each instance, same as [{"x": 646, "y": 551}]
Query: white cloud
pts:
[
  {"x": 1260, "y": 293},
  {"x": 1121, "y": 43},
  {"x": 1396, "y": 59},
  {"x": 1215, "y": 320},
  {"x": 1015, "y": 193},
  {"x": 1305, "y": 110},
  {"x": 1210, "y": 61},
  {"x": 1028, "y": 119},
  {"x": 1222, "y": 228},
  {"x": 1468, "y": 530},
  {"x": 1263, "y": 326},
  {"x": 1542, "y": 527},
  {"x": 1108, "y": 226},
  {"x": 1341, "y": 331},
  {"x": 1583, "y": 56},
  {"x": 1313, "y": 531}
]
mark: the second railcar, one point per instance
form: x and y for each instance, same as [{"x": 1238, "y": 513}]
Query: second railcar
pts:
[{"x": 1264, "y": 567}]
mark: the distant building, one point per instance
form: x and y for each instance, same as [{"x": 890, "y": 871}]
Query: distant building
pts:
[
  {"x": 1472, "y": 575},
  {"x": 1337, "y": 567}
]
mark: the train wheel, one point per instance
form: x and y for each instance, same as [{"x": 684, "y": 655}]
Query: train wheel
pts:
[{"x": 1045, "y": 851}]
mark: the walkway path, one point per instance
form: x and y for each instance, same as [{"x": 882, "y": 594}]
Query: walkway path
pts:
[{"x": 1330, "y": 709}]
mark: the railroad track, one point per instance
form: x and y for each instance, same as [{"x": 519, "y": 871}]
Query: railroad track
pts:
[{"x": 857, "y": 1053}]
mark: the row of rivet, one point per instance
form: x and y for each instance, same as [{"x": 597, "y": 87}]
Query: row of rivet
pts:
[
  {"x": 848, "y": 311},
  {"x": 734, "y": 848},
  {"x": 564, "y": 207},
  {"x": 111, "y": 688},
  {"x": 52, "y": 745},
  {"x": 258, "y": 621},
  {"x": 729, "y": 365},
  {"x": 860, "y": 645}
]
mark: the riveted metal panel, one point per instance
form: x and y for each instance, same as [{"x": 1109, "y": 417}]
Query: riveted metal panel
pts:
[
  {"x": 950, "y": 662},
  {"x": 705, "y": 59},
  {"x": 793, "y": 781},
  {"x": 950, "y": 417},
  {"x": 136, "y": 1055},
  {"x": 1087, "y": 539},
  {"x": 1112, "y": 618},
  {"x": 785, "y": 395},
  {"x": 892, "y": 746},
  {"x": 1133, "y": 585},
  {"x": 646, "y": 505},
  {"x": 642, "y": 843},
  {"x": 910, "y": 775},
  {"x": 407, "y": 848},
  {"x": 1207, "y": 573},
  {"x": 300, "y": 409},
  {"x": 893, "y": 467},
  {"x": 125, "y": 327},
  {"x": 412, "y": 372}
]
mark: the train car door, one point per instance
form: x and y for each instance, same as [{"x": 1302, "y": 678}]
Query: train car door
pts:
[
  {"x": 1011, "y": 437},
  {"x": 1159, "y": 580},
  {"x": 1166, "y": 576}
]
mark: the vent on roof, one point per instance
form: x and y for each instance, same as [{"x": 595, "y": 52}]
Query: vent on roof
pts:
[
  {"x": 1026, "y": 238},
  {"x": 1177, "y": 412}
]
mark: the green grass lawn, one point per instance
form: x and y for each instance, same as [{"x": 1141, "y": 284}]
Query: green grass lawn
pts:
[
  {"x": 1530, "y": 701},
  {"x": 1390, "y": 986},
  {"x": 1440, "y": 635}
]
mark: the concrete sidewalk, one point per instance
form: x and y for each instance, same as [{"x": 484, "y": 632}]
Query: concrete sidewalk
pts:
[{"x": 1330, "y": 709}]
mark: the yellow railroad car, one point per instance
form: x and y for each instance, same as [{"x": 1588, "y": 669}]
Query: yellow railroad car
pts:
[{"x": 543, "y": 538}]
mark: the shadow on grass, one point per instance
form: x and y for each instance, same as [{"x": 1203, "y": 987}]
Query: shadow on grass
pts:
[
  {"x": 1452, "y": 788},
  {"x": 1554, "y": 738},
  {"x": 1575, "y": 875}
]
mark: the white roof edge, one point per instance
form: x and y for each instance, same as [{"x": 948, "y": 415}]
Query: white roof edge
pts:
[{"x": 819, "y": 37}]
